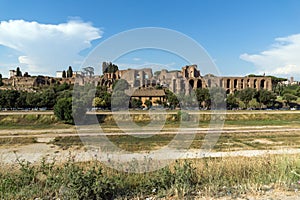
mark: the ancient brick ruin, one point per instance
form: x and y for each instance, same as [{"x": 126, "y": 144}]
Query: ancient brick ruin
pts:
[{"x": 185, "y": 80}]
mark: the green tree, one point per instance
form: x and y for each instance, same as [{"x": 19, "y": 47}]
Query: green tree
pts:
[
  {"x": 119, "y": 100},
  {"x": 148, "y": 103},
  {"x": 107, "y": 99},
  {"x": 89, "y": 71},
  {"x": 33, "y": 100},
  {"x": 18, "y": 72},
  {"x": 48, "y": 98},
  {"x": 232, "y": 102},
  {"x": 21, "y": 101},
  {"x": 63, "y": 110},
  {"x": 298, "y": 92},
  {"x": 100, "y": 91},
  {"x": 63, "y": 87},
  {"x": 203, "y": 96},
  {"x": 79, "y": 111},
  {"x": 265, "y": 97},
  {"x": 110, "y": 68},
  {"x": 253, "y": 104},
  {"x": 136, "y": 103},
  {"x": 64, "y": 75},
  {"x": 1, "y": 81},
  {"x": 11, "y": 97},
  {"x": 98, "y": 102},
  {"x": 69, "y": 72},
  {"x": 247, "y": 95},
  {"x": 159, "y": 102},
  {"x": 172, "y": 99},
  {"x": 289, "y": 98},
  {"x": 26, "y": 74},
  {"x": 2, "y": 98},
  {"x": 217, "y": 98},
  {"x": 276, "y": 86},
  {"x": 120, "y": 85}
]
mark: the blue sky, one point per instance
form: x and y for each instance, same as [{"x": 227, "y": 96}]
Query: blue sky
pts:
[{"x": 241, "y": 36}]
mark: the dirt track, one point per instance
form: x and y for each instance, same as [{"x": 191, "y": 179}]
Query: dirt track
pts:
[
  {"x": 34, "y": 152},
  {"x": 19, "y": 133}
]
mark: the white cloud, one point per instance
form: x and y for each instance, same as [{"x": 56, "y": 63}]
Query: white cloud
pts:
[
  {"x": 282, "y": 59},
  {"x": 45, "y": 48},
  {"x": 136, "y": 59}
]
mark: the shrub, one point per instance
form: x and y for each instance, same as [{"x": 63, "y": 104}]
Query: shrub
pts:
[{"x": 63, "y": 110}]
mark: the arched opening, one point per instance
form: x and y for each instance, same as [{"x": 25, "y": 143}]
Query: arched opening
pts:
[
  {"x": 262, "y": 84},
  {"x": 255, "y": 83},
  {"x": 228, "y": 83},
  {"x": 235, "y": 83},
  {"x": 242, "y": 83},
  {"x": 191, "y": 82},
  {"x": 199, "y": 84},
  {"x": 248, "y": 83},
  {"x": 227, "y": 91}
]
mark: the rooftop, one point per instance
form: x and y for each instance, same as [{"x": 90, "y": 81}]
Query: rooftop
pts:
[{"x": 148, "y": 93}]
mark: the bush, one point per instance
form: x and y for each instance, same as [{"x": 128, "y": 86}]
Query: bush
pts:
[
  {"x": 183, "y": 116},
  {"x": 63, "y": 110}
]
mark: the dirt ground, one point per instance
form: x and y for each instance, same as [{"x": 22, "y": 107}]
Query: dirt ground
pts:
[{"x": 43, "y": 149}]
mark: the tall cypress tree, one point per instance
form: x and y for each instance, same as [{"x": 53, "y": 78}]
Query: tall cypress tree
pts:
[
  {"x": 64, "y": 74},
  {"x": 18, "y": 73},
  {"x": 70, "y": 72}
]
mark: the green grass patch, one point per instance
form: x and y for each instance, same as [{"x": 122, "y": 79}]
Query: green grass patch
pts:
[{"x": 30, "y": 121}]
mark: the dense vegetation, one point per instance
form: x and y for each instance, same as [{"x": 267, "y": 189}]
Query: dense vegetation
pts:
[
  {"x": 214, "y": 177},
  {"x": 14, "y": 99},
  {"x": 59, "y": 98}
]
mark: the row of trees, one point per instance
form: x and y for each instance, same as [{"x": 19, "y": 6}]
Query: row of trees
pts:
[
  {"x": 67, "y": 74},
  {"x": 13, "y": 99},
  {"x": 216, "y": 98},
  {"x": 59, "y": 98},
  {"x": 19, "y": 73}
]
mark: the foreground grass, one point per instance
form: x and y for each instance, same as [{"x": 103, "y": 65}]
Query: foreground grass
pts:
[{"x": 187, "y": 179}]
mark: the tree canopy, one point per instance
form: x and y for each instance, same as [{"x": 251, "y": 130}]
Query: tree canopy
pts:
[
  {"x": 109, "y": 67},
  {"x": 63, "y": 110}
]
